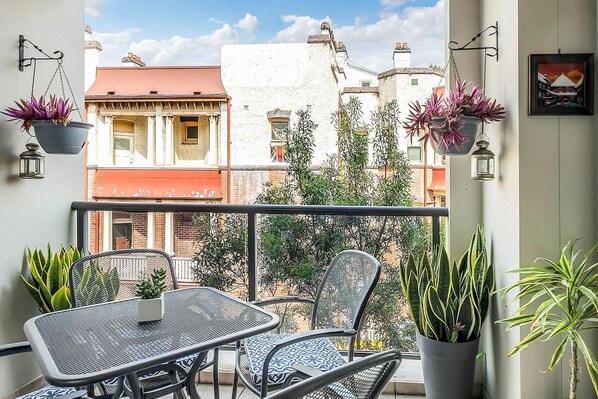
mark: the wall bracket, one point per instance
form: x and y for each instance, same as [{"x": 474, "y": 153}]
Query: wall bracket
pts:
[
  {"x": 491, "y": 51},
  {"x": 27, "y": 61}
]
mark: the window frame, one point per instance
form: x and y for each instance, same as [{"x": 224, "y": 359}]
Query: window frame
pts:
[{"x": 277, "y": 144}]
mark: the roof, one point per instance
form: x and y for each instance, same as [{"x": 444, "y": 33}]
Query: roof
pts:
[
  {"x": 563, "y": 81},
  {"x": 411, "y": 71},
  {"x": 371, "y": 89},
  {"x": 156, "y": 82}
]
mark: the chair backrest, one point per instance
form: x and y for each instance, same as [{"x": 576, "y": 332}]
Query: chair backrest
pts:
[
  {"x": 345, "y": 290},
  {"x": 113, "y": 275},
  {"x": 362, "y": 379}
]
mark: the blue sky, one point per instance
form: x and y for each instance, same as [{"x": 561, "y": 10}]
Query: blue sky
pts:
[{"x": 190, "y": 32}]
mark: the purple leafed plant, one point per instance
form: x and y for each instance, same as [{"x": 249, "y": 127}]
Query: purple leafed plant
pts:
[
  {"x": 57, "y": 110},
  {"x": 450, "y": 110}
]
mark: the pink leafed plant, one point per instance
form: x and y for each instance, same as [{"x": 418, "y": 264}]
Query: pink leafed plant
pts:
[
  {"x": 56, "y": 109},
  {"x": 451, "y": 110}
]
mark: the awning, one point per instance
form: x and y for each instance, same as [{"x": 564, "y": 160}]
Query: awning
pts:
[
  {"x": 438, "y": 182},
  {"x": 158, "y": 184}
]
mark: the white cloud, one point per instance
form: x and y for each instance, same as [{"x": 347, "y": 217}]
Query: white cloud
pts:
[
  {"x": 94, "y": 8},
  {"x": 299, "y": 29},
  {"x": 178, "y": 50},
  {"x": 248, "y": 23},
  {"x": 217, "y": 21}
]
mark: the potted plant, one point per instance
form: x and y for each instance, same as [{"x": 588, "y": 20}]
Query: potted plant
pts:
[
  {"x": 453, "y": 121},
  {"x": 151, "y": 297},
  {"x": 47, "y": 281},
  {"x": 559, "y": 301},
  {"x": 54, "y": 130},
  {"x": 448, "y": 302}
]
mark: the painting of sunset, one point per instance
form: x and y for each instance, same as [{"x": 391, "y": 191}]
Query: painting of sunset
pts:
[{"x": 562, "y": 84}]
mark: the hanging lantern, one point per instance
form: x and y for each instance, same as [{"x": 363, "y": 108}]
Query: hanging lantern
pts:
[
  {"x": 482, "y": 162},
  {"x": 33, "y": 164}
]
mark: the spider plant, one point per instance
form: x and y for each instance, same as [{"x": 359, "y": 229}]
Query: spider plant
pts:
[
  {"x": 56, "y": 109},
  {"x": 451, "y": 111},
  {"x": 566, "y": 294}
]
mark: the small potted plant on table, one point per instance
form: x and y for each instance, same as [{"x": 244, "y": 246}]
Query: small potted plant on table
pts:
[
  {"x": 150, "y": 291},
  {"x": 54, "y": 130},
  {"x": 453, "y": 121}
]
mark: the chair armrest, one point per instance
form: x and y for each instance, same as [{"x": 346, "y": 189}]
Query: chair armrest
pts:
[
  {"x": 298, "y": 337},
  {"x": 14, "y": 348},
  {"x": 282, "y": 299}
]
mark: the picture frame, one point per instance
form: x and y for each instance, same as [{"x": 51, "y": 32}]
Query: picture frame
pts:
[{"x": 561, "y": 84}]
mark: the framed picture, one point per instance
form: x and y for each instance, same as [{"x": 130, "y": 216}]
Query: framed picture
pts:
[{"x": 561, "y": 84}]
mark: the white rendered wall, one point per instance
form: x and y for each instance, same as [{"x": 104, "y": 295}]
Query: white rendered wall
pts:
[
  {"x": 285, "y": 76},
  {"x": 33, "y": 212},
  {"x": 355, "y": 76}
]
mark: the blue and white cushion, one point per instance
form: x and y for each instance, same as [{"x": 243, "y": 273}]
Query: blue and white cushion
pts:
[
  {"x": 49, "y": 392},
  {"x": 318, "y": 353},
  {"x": 185, "y": 362}
]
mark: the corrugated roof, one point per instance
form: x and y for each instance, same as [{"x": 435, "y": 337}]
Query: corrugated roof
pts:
[{"x": 157, "y": 82}]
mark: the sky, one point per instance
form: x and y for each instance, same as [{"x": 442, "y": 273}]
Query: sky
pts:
[{"x": 190, "y": 32}]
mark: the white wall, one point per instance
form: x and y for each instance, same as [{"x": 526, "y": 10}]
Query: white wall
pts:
[
  {"x": 33, "y": 212},
  {"x": 545, "y": 191},
  {"x": 285, "y": 76}
]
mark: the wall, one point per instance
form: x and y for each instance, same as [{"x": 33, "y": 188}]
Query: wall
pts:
[
  {"x": 284, "y": 76},
  {"x": 544, "y": 193},
  {"x": 33, "y": 212}
]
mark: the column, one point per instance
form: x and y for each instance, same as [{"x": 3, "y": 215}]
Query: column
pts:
[
  {"x": 168, "y": 141},
  {"x": 150, "y": 139},
  {"x": 151, "y": 230},
  {"x": 105, "y": 142},
  {"x": 92, "y": 138},
  {"x": 107, "y": 233},
  {"x": 213, "y": 152},
  {"x": 168, "y": 233},
  {"x": 159, "y": 148}
]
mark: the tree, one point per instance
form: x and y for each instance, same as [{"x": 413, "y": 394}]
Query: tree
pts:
[{"x": 294, "y": 250}]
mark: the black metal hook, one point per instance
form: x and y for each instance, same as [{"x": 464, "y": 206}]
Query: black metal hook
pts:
[
  {"x": 23, "y": 61},
  {"x": 493, "y": 49}
]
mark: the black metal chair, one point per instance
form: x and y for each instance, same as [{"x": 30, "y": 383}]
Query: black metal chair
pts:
[
  {"x": 47, "y": 392},
  {"x": 265, "y": 361},
  {"x": 114, "y": 275},
  {"x": 362, "y": 379}
]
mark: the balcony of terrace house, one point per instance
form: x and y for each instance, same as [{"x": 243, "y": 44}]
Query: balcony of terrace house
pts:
[{"x": 544, "y": 193}]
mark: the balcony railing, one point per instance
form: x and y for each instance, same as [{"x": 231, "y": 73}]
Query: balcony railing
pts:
[{"x": 252, "y": 212}]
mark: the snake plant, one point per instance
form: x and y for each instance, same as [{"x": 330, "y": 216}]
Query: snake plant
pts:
[
  {"x": 47, "y": 281},
  {"x": 559, "y": 301},
  {"x": 95, "y": 286},
  {"x": 450, "y": 300}
]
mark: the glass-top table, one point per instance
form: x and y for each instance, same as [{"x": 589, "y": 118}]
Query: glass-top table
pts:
[{"x": 89, "y": 344}]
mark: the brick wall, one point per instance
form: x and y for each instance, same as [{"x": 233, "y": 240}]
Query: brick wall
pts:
[
  {"x": 159, "y": 231},
  {"x": 139, "y": 230},
  {"x": 185, "y": 234}
]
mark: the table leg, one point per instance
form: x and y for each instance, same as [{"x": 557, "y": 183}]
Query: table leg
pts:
[
  {"x": 136, "y": 390},
  {"x": 191, "y": 388}
]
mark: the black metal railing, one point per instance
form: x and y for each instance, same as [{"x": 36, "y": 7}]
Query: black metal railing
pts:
[{"x": 252, "y": 211}]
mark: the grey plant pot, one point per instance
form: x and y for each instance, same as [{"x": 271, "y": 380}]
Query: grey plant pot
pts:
[
  {"x": 56, "y": 138},
  {"x": 470, "y": 130},
  {"x": 448, "y": 368}
]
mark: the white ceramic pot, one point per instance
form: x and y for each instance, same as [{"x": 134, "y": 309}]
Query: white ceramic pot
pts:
[{"x": 150, "y": 309}]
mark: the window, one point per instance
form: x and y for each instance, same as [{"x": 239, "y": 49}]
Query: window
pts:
[
  {"x": 414, "y": 82},
  {"x": 122, "y": 230},
  {"x": 190, "y": 129},
  {"x": 414, "y": 153},
  {"x": 366, "y": 83},
  {"x": 122, "y": 142},
  {"x": 278, "y": 135}
]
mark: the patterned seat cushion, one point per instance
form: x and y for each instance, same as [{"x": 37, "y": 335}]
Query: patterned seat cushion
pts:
[
  {"x": 48, "y": 392},
  {"x": 318, "y": 353},
  {"x": 185, "y": 362}
]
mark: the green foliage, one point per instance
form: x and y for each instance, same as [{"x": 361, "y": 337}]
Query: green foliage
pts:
[
  {"x": 96, "y": 286},
  {"x": 153, "y": 286},
  {"x": 449, "y": 301},
  {"x": 294, "y": 250},
  {"x": 559, "y": 301},
  {"x": 47, "y": 281}
]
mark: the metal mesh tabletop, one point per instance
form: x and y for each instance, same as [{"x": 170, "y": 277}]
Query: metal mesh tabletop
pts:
[{"x": 90, "y": 343}]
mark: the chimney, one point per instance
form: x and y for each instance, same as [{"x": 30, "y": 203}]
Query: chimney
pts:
[
  {"x": 132, "y": 60},
  {"x": 401, "y": 57},
  {"x": 341, "y": 54},
  {"x": 325, "y": 28},
  {"x": 92, "y": 59}
]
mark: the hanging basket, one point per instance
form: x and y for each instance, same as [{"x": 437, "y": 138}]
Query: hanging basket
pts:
[
  {"x": 470, "y": 129},
  {"x": 56, "y": 138}
]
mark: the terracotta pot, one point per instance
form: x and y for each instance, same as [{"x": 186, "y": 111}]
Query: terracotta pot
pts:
[
  {"x": 56, "y": 138},
  {"x": 470, "y": 130}
]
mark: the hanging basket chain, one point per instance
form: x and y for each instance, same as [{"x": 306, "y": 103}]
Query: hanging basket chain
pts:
[{"x": 63, "y": 77}]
